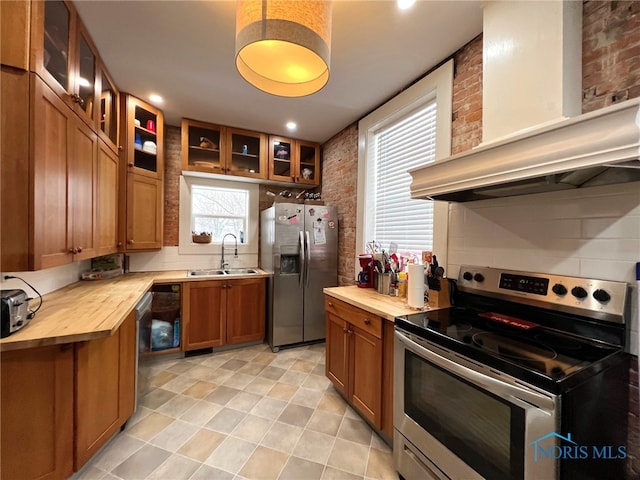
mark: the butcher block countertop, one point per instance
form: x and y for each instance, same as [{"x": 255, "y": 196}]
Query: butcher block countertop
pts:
[
  {"x": 92, "y": 309},
  {"x": 370, "y": 300}
]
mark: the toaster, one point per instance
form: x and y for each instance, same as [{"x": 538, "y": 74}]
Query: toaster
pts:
[{"x": 15, "y": 311}]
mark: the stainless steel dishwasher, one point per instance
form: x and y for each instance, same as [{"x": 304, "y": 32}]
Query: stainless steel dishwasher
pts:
[{"x": 143, "y": 317}]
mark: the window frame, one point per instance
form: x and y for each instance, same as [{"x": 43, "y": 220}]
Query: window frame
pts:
[
  {"x": 437, "y": 85},
  {"x": 185, "y": 242}
]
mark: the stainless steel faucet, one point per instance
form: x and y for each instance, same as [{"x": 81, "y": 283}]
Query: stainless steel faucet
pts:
[{"x": 224, "y": 264}]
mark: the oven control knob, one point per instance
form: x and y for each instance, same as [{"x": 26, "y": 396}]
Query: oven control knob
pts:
[
  {"x": 559, "y": 289},
  {"x": 467, "y": 276},
  {"x": 478, "y": 277},
  {"x": 601, "y": 295},
  {"x": 579, "y": 292}
]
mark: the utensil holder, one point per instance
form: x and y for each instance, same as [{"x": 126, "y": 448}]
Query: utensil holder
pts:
[
  {"x": 440, "y": 298},
  {"x": 384, "y": 283}
]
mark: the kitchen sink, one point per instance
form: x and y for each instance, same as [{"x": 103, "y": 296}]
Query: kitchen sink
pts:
[
  {"x": 221, "y": 273},
  {"x": 205, "y": 273},
  {"x": 241, "y": 271}
]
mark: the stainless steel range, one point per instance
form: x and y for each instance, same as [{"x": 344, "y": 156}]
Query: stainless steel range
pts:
[{"x": 525, "y": 377}]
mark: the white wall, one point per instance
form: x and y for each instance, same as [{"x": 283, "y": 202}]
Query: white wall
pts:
[
  {"x": 593, "y": 233},
  {"x": 169, "y": 258},
  {"x": 46, "y": 280}
]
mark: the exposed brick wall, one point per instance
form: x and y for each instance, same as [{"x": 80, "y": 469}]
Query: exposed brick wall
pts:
[
  {"x": 611, "y": 53},
  {"x": 339, "y": 182},
  {"x": 466, "y": 128},
  {"x": 172, "y": 171}
]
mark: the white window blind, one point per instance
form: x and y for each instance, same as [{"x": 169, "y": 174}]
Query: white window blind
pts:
[{"x": 408, "y": 142}]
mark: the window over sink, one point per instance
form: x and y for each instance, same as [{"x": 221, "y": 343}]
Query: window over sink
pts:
[{"x": 218, "y": 207}]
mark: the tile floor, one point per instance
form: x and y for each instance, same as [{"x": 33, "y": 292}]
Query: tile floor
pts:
[{"x": 242, "y": 414}]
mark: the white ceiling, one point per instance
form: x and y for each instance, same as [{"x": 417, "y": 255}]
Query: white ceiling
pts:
[{"x": 184, "y": 51}]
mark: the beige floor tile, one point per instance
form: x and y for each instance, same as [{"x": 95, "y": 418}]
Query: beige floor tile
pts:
[
  {"x": 90, "y": 472},
  {"x": 319, "y": 369},
  {"x": 205, "y": 472},
  {"x": 307, "y": 397},
  {"x": 264, "y": 464},
  {"x": 378, "y": 443},
  {"x": 199, "y": 372},
  {"x": 222, "y": 395},
  {"x": 218, "y": 376},
  {"x": 154, "y": 399},
  {"x": 299, "y": 468},
  {"x": 331, "y": 473},
  {"x": 282, "y": 362},
  {"x": 355, "y": 430},
  {"x": 141, "y": 463},
  {"x": 226, "y": 420},
  {"x": 233, "y": 364},
  {"x": 213, "y": 361},
  {"x": 252, "y": 428},
  {"x": 150, "y": 426},
  {"x": 380, "y": 465},
  {"x": 161, "y": 378},
  {"x": 252, "y": 369},
  {"x": 179, "y": 384},
  {"x": 293, "y": 378},
  {"x": 175, "y": 467},
  {"x": 349, "y": 456},
  {"x": 201, "y": 445},
  {"x": 181, "y": 366},
  {"x": 297, "y": 415},
  {"x": 314, "y": 446},
  {"x": 270, "y": 408},
  {"x": 244, "y": 401},
  {"x": 174, "y": 436},
  {"x": 238, "y": 380},
  {"x": 231, "y": 454},
  {"x": 200, "y": 389},
  {"x": 117, "y": 451},
  {"x": 177, "y": 406},
  {"x": 302, "y": 366},
  {"x": 282, "y": 391},
  {"x": 260, "y": 386},
  {"x": 138, "y": 415},
  {"x": 325, "y": 422},
  {"x": 332, "y": 402},
  {"x": 282, "y": 437},
  {"x": 317, "y": 382},
  {"x": 272, "y": 372},
  {"x": 201, "y": 413},
  {"x": 264, "y": 358}
]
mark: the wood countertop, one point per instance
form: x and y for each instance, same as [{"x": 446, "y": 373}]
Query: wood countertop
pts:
[
  {"x": 92, "y": 309},
  {"x": 370, "y": 300}
]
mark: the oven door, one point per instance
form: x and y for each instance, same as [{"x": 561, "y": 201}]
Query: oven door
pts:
[{"x": 454, "y": 418}]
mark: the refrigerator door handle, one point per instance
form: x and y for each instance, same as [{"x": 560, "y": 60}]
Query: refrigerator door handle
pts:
[
  {"x": 308, "y": 262},
  {"x": 301, "y": 258}
]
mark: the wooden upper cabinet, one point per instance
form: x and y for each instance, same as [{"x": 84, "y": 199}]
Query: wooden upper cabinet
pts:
[
  {"x": 294, "y": 161},
  {"x": 142, "y": 139},
  {"x": 109, "y": 111},
  {"x": 15, "y": 33},
  {"x": 107, "y": 200},
  {"x": 202, "y": 147},
  {"x": 143, "y": 213},
  {"x": 64, "y": 56},
  {"x": 246, "y": 153}
]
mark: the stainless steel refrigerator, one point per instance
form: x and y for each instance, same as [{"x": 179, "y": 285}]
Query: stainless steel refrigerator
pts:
[{"x": 299, "y": 246}]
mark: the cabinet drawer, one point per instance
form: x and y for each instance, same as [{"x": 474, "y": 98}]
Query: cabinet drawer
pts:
[{"x": 360, "y": 318}]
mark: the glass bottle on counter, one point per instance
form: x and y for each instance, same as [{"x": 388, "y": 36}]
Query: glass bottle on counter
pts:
[{"x": 402, "y": 284}]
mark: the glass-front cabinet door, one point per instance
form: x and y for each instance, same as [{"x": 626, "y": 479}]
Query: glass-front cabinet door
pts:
[
  {"x": 202, "y": 148},
  {"x": 281, "y": 166},
  {"x": 109, "y": 110},
  {"x": 85, "y": 91},
  {"x": 308, "y": 155},
  {"x": 246, "y": 153},
  {"x": 51, "y": 53}
]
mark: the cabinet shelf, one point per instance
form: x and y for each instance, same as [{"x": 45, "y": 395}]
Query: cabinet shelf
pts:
[
  {"x": 240, "y": 154},
  {"x": 139, "y": 150},
  {"x": 203, "y": 149},
  {"x": 148, "y": 132}
]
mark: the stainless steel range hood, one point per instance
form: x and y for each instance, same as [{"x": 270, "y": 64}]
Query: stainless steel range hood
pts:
[{"x": 597, "y": 148}]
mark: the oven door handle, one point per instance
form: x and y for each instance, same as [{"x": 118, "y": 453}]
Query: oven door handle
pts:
[{"x": 493, "y": 385}]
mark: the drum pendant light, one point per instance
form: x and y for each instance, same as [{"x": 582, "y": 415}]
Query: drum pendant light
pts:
[{"x": 283, "y": 47}]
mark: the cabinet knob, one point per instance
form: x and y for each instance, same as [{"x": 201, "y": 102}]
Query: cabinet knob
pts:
[
  {"x": 330, "y": 304},
  {"x": 73, "y": 250},
  {"x": 367, "y": 321},
  {"x": 130, "y": 242},
  {"x": 79, "y": 250},
  {"x": 120, "y": 147},
  {"x": 119, "y": 244},
  {"x": 345, "y": 330},
  {"x": 131, "y": 164}
]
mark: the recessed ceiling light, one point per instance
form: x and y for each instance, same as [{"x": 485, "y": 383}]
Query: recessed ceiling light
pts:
[
  {"x": 291, "y": 125},
  {"x": 404, "y": 4},
  {"x": 155, "y": 98}
]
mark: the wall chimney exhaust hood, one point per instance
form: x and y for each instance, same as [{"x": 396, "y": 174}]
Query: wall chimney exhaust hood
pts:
[
  {"x": 596, "y": 148},
  {"x": 534, "y": 136}
]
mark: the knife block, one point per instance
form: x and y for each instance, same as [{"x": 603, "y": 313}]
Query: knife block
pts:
[{"x": 440, "y": 298}]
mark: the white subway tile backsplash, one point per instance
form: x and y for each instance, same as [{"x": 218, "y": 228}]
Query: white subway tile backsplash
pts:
[
  {"x": 603, "y": 269},
  {"x": 613, "y": 227},
  {"x": 169, "y": 258}
]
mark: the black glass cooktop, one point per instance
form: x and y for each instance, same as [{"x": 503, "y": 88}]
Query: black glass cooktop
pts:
[{"x": 525, "y": 350}]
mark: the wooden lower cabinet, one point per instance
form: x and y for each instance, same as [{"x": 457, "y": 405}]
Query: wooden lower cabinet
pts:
[
  {"x": 36, "y": 388},
  {"x": 223, "y": 312},
  {"x": 354, "y": 357},
  {"x": 105, "y": 388}
]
